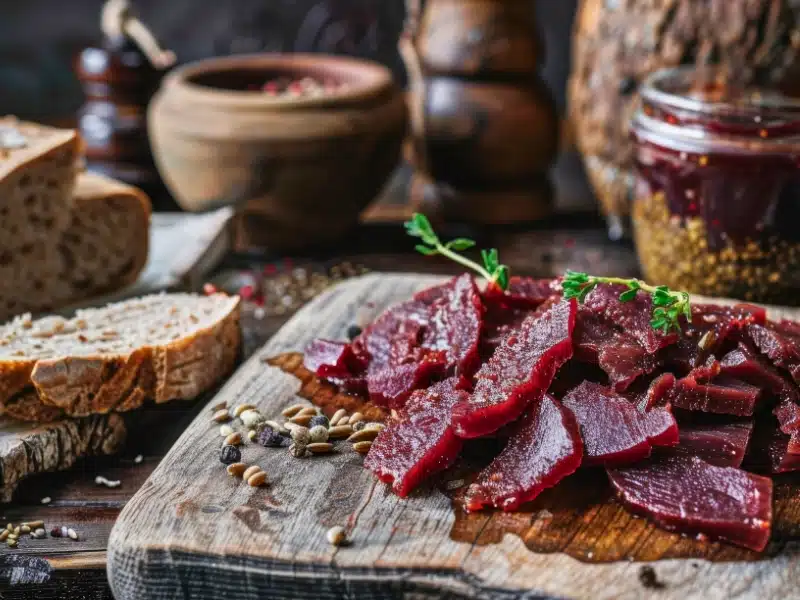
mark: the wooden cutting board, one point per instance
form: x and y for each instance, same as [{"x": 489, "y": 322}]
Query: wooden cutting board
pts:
[{"x": 193, "y": 531}]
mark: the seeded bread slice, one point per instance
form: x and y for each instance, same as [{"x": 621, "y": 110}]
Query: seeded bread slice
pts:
[
  {"x": 160, "y": 347},
  {"x": 103, "y": 248}
]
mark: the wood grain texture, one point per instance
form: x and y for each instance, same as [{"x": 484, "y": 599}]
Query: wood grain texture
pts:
[
  {"x": 29, "y": 448},
  {"x": 191, "y": 531}
]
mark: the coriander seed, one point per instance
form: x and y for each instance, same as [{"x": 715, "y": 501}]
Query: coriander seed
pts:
[{"x": 336, "y": 536}]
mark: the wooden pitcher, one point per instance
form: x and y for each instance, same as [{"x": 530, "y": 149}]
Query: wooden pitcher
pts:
[{"x": 484, "y": 126}]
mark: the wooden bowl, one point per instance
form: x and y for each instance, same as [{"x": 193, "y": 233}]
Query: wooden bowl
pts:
[{"x": 299, "y": 169}]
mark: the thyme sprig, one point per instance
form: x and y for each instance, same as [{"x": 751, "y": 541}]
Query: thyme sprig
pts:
[
  {"x": 491, "y": 270},
  {"x": 668, "y": 305}
]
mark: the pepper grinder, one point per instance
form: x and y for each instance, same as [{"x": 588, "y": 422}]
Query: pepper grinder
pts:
[{"x": 119, "y": 76}]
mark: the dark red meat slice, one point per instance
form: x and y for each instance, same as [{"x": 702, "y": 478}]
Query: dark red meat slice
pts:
[
  {"x": 610, "y": 425},
  {"x": 523, "y": 292},
  {"x": 616, "y": 352},
  {"x": 720, "y": 444},
  {"x": 769, "y": 450},
  {"x": 546, "y": 448},
  {"x": 332, "y": 359},
  {"x": 788, "y": 414},
  {"x": 435, "y": 333},
  {"x": 420, "y": 440},
  {"x": 724, "y": 395},
  {"x": 631, "y": 317},
  {"x": 780, "y": 342},
  {"x": 519, "y": 371},
  {"x": 651, "y": 398},
  {"x": 686, "y": 494},
  {"x": 745, "y": 364}
]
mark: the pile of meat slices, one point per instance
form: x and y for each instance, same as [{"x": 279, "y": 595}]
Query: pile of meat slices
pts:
[{"x": 672, "y": 418}]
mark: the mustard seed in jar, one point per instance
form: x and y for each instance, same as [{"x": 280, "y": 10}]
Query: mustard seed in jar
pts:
[{"x": 717, "y": 202}]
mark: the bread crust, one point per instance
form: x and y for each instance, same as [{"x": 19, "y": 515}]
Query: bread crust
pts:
[{"x": 77, "y": 386}]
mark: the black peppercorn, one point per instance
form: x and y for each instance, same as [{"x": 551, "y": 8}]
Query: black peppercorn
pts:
[
  {"x": 271, "y": 439},
  {"x": 627, "y": 86},
  {"x": 353, "y": 332},
  {"x": 318, "y": 420},
  {"x": 229, "y": 455}
]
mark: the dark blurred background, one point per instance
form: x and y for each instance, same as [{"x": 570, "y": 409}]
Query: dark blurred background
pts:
[{"x": 39, "y": 39}]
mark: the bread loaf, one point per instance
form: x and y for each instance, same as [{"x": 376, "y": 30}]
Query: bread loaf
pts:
[
  {"x": 160, "y": 347},
  {"x": 98, "y": 244}
]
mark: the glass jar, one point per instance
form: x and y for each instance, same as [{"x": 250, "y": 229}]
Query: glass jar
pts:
[{"x": 717, "y": 202}]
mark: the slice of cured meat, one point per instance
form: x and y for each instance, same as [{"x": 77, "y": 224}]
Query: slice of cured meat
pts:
[
  {"x": 780, "y": 342},
  {"x": 610, "y": 425},
  {"x": 420, "y": 441},
  {"x": 710, "y": 328},
  {"x": 632, "y": 317},
  {"x": 722, "y": 395},
  {"x": 435, "y": 333},
  {"x": 617, "y": 352},
  {"x": 523, "y": 292},
  {"x": 545, "y": 448},
  {"x": 769, "y": 450},
  {"x": 519, "y": 371},
  {"x": 651, "y": 398},
  {"x": 720, "y": 444},
  {"x": 686, "y": 494},
  {"x": 330, "y": 359}
]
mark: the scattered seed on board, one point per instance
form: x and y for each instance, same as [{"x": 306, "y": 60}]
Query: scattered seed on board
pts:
[
  {"x": 24, "y": 528},
  {"x": 4, "y": 535},
  {"x": 353, "y": 332},
  {"x": 318, "y": 434},
  {"x": 250, "y": 471},
  {"x": 12, "y": 543},
  {"x": 337, "y": 415},
  {"x": 356, "y": 417},
  {"x": 375, "y": 426},
  {"x": 236, "y": 469},
  {"x": 257, "y": 479},
  {"x": 343, "y": 421},
  {"x": 359, "y": 425},
  {"x": 139, "y": 458},
  {"x": 338, "y": 432},
  {"x": 55, "y": 532},
  {"x": 229, "y": 455},
  {"x": 336, "y": 536},
  {"x": 17, "y": 530},
  {"x": 277, "y": 427},
  {"x": 365, "y": 435},
  {"x": 72, "y": 534},
  {"x": 219, "y": 406},
  {"x": 320, "y": 448},
  {"x": 225, "y": 430},
  {"x": 301, "y": 435},
  {"x": 303, "y": 420},
  {"x": 46, "y": 500},
  {"x": 10, "y": 526},
  {"x": 234, "y": 439},
  {"x": 34, "y": 524},
  {"x": 100, "y": 480},
  {"x": 308, "y": 410},
  {"x": 319, "y": 420},
  {"x": 269, "y": 438},
  {"x": 252, "y": 434},
  {"x": 221, "y": 416},
  {"x": 237, "y": 412},
  {"x": 362, "y": 447},
  {"x": 39, "y": 533},
  {"x": 292, "y": 410},
  {"x": 251, "y": 418},
  {"x": 297, "y": 450}
]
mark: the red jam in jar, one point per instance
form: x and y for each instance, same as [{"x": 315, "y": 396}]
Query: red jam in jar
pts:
[{"x": 717, "y": 202}]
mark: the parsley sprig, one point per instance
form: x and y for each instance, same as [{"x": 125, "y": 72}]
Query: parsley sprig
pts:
[
  {"x": 668, "y": 305},
  {"x": 491, "y": 270}
]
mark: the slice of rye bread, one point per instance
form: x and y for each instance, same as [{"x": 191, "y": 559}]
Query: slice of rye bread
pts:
[
  {"x": 160, "y": 347},
  {"x": 38, "y": 167},
  {"x": 103, "y": 248}
]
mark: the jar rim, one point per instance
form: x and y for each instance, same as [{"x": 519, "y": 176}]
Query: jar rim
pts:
[
  {"x": 672, "y": 87},
  {"x": 688, "y": 126}
]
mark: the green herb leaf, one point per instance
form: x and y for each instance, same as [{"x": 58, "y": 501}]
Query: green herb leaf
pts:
[
  {"x": 629, "y": 295},
  {"x": 460, "y": 244},
  {"x": 426, "y": 250}
]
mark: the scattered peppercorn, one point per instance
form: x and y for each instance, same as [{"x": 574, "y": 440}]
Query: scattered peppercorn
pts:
[
  {"x": 318, "y": 420},
  {"x": 353, "y": 332},
  {"x": 272, "y": 439},
  {"x": 229, "y": 455},
  {"x": 359, "y": 425},
  {"x": 55, "y": 532},
  {"x": 649, "y": 579}
]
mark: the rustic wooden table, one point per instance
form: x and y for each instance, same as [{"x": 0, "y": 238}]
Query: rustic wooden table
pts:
[{"x": 61, "y": 568}]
